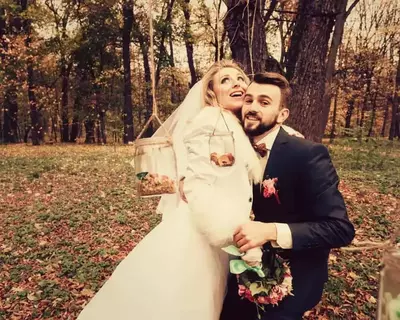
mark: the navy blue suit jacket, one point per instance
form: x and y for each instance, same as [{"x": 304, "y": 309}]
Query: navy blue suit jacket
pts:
[{"x": 311, "y": 204}]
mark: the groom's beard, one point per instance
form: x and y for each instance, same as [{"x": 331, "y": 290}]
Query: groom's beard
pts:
[{"x": 261, "y": 128}]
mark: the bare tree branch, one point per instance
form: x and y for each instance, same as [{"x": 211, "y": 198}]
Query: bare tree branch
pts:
[
  {"x": 270, "y": 11},
  {"x": 351, "y": 7}
]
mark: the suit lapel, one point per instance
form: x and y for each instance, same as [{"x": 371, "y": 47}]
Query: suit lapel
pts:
[{"x": 274, "y": 160}]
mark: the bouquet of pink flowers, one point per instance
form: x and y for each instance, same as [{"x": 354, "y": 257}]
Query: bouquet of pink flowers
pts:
[{"x": 264, "y": 280}]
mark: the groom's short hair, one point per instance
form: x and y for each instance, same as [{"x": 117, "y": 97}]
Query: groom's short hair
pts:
[{"x": 278, "y": 80}]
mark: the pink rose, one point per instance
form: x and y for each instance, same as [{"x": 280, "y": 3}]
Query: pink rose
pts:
[
  {"x": 249, "y": 296},
  {"x": 262, "y": 300},
  {"x": 274, "y": 301},
  {"x": 242, "y": 290}
]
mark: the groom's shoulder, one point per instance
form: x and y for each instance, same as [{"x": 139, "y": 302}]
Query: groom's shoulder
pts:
[{"x": 306, "y": 147}]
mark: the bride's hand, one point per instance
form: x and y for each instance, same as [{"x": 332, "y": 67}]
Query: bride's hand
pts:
[
  {"x": 297, "y": 134},
  {"x": 292, "y": 132}
]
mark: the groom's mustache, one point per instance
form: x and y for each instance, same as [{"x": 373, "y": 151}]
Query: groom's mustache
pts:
[{"x": 253, "y": 114}]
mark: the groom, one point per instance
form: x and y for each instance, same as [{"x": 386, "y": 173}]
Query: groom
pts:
[{"x": 307, "y": 215}]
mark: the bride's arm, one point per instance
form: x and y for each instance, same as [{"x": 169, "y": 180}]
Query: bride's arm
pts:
[
  {"x": 213, "y": 215},
  {"x": 214, "y": 211}
]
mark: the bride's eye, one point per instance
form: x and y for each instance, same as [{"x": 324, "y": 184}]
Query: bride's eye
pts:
[
  {"x": 240, "y": 78},
  {"x": 225, "y": 80}
]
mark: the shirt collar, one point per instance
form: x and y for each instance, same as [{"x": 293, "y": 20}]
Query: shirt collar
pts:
[{"x": 269, "y": 139}]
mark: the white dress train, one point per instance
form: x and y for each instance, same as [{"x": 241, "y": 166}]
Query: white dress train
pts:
[{"x": 178, "y": 271}]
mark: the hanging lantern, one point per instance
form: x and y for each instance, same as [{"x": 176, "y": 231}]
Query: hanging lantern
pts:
[
  {"x": 155, "y": 167},
  {"x": 222, "y": 146},
  {"x": 389, "y": 289},
  {"x": 155, "y": 161}
]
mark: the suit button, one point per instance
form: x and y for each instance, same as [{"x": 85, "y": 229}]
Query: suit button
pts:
[{"x": 250, "y": 199}]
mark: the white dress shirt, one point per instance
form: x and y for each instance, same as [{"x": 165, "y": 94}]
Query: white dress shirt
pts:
[{"x": 283, "y": 234}]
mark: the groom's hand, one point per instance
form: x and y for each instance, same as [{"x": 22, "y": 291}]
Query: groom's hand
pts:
[{"x": 254, "y": 234}]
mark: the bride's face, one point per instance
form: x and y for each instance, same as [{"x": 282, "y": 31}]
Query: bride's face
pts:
[{"x": 229, "y": 86}]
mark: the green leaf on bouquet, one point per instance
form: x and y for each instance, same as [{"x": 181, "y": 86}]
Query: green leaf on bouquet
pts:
[
  {"x": 237, "y": 266},
  {"x": 257, "y": 288},
  {"x": 142, "y": 175},
  {"x": 233, "y": 251},
  {"x": 278, "y": 273}
]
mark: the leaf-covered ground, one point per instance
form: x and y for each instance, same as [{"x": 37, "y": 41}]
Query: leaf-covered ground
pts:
[{"x": 68, "y": 215}]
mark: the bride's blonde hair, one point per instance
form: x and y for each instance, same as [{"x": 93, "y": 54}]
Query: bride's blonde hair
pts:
[{"x": 210, "y": 99}]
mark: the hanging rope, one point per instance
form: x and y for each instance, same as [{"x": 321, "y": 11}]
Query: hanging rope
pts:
[
  {"x": 154, "y": 114},
  {"x": 250, "y": 33},
  {"x": 217, "y": 48},
  {"x": 153, "y": 80}
]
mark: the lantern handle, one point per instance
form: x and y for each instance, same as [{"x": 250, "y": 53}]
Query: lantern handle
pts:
[{"x": 153, "y": 117}]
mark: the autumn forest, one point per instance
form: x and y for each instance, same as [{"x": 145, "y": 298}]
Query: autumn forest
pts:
[
  {"x": 80, "y": 71},
  {"x": 76, "y": 90}
]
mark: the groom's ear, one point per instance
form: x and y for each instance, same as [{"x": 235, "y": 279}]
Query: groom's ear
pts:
[{"x": 283, "y": 115}]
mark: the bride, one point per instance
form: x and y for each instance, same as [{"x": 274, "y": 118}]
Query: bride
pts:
[{"x": 178, "y": 271}]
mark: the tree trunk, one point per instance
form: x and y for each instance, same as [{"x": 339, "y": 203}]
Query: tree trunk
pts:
[
  {"x": 36, "y": 132},
  {"x": 102, "y": 126},
  {"x": 363, "y": 108},
  {"x": 36, "y": 129},
  {"x": 166, "y": 31},
  {"x": 335, "y": 102},
  {"x": 75, "y": 126},
  {"x": 171, "y": 52},
  {"x": 349, "y": 113},
  {"x": 10, "y": 126},
  {"x": 2, "y": 48},
  {"x": 373, "y": 116},
  {"x": 245, "y": 25},
  {"x": 126, "y": 41},
  {"x": 221, "y": 46},
  {"x": 90, "y": 131},
  {"x": 306, "y": 67},
  {"x": 10, "y": 105},
  {"x": 54, "y": 129},
  {"x": 330, "y": 65},
  {"x": 385, "y": 118},
  {"x": 144, "y": 48},
  {"x": 81, "y": 96},
  {"x": 149, "y": 96},
  {"x": 2, "y": 25},
  {"x": 65, "y": 72},
  {"x": 188, "y": 38},
  {"x": 395, "y": 124}
]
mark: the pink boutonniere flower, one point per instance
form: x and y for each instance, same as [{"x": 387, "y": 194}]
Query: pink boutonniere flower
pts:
[{"x": 270, "y": 189}]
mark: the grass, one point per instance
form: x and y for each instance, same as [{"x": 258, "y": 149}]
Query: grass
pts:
[{"x": 69, "y": 214}]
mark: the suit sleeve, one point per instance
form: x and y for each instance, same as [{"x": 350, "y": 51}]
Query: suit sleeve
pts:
[{"x": 328, "y": 225}]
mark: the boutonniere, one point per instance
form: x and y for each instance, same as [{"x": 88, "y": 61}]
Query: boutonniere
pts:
[{"x": 270, "y": 189}]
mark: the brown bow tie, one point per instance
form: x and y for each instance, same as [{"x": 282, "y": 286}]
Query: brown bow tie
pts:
[{"x": 261, "y": 149}]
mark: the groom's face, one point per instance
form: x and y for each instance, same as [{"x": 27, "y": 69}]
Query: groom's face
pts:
[{"x": 262, "y": 109}]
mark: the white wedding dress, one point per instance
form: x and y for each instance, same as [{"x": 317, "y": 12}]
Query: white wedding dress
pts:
[{"x": 178, "y": 271}]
